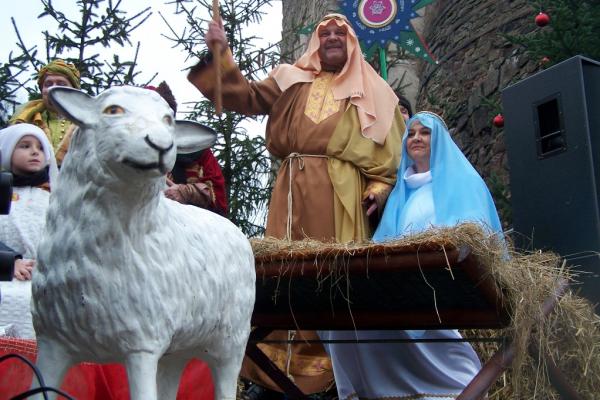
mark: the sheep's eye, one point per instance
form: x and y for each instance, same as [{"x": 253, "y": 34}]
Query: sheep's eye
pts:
[
  {"x": 114, "y": 110},
  {"x": 168, "y": 119}
]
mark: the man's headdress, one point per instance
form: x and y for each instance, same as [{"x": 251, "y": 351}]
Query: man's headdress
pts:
[
  {"x": 358, "y": 81},
  {"x": 61, "y": 67},
  {"x": 165, "y": 92}
]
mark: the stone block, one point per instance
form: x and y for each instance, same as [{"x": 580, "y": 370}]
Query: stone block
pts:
[{"x": 490, "y": 85}]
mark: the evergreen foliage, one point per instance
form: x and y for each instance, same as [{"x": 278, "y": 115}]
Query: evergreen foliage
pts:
[
  {"x": 97, "y": 24},
  {"x": 11, "y": 73},
  {"x": 573, "y": 30},
  {"x": 245, "y": 164}
]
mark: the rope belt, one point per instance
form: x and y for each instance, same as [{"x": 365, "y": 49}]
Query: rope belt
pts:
[
  {"x": 290, "y": 203},
  {"x": 290, "y": 160}
]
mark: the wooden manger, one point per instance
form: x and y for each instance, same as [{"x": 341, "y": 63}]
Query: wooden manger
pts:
[
  {"x": 428, "y": 282},
  {"x": 378, "y": 287}
]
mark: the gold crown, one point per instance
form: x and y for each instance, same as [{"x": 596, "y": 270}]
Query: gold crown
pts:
[{"x": 433, "y": 115}]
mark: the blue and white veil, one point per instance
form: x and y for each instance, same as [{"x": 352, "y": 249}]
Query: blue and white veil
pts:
[{"x": 459, "y": 193}]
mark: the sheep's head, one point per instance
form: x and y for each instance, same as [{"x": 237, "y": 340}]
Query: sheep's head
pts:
[{"x": 131, "y": 130}]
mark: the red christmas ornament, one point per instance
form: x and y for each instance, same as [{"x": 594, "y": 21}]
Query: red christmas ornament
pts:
[
  {"x": 542, "y": 19},
  {"x": 498, "y": 121}
]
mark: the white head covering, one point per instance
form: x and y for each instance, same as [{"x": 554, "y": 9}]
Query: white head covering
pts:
[{"x": 9, "y": 137}]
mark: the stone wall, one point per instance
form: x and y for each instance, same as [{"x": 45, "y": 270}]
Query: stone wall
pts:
[
  {"x": 298, "y": 14},
  {"x": 475, "y": 63}
]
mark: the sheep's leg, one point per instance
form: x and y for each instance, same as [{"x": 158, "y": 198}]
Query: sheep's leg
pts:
[
  {"x": 169, "y": 374},
  {"x": 225, "y": 377},
  {"x": 53, "y": 362},
  {"x": 141, "y": 373}
]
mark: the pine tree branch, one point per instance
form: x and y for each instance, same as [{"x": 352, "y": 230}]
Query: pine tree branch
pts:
[
  {"x": 85, "y": 15},
  {"x": 22, "y": 46}
]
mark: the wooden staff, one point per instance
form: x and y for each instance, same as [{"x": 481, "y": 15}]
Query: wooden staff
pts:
[{"x": 216, "y": 50}]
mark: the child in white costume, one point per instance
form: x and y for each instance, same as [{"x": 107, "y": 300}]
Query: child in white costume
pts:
[{"x": 27, "y": 153}]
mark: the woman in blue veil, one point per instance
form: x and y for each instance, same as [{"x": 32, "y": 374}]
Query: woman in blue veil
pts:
[
  {"x": 457, "y": 191},
  {"x": 437, "y": 186}
]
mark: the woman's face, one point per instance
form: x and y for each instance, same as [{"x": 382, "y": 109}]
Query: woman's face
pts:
[{"x": 418, "y": 145}]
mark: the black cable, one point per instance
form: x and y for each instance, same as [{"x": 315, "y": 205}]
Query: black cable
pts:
[
  {"x": 36, "y": 371},
  {"x": 360, "y": 341},
  {"x": 44, "y": 390},
  {"x": 42, "y": 386}
]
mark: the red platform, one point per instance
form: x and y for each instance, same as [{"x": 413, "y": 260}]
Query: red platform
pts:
[{"x": 88, "y": 381}]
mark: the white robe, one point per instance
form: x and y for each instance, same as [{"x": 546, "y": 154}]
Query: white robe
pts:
[
  {"x": 22, "y": 230},
  {"x": 403, "y": 370}
]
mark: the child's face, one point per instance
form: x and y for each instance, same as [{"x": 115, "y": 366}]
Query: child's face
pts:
[{"x": 28, "y": 156}]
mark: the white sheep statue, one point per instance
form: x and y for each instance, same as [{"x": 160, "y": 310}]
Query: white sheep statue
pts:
[{"x": 125, "y": 274}]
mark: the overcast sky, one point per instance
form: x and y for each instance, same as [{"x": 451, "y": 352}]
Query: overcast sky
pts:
[{"x": 156, "y": 54}]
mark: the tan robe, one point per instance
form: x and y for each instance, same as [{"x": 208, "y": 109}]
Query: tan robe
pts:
[{"x": 332, "y": 168}]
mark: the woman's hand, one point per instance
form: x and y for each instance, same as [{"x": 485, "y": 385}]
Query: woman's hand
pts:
[{"x": 23, "y": 269}]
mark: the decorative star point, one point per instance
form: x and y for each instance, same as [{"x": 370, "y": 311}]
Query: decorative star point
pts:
[{"x": 377, "y": 22}]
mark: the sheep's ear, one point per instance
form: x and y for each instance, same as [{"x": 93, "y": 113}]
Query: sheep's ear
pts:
[
  {"x": 72, "y": 103},
  {"x": 192, "y": 137}
]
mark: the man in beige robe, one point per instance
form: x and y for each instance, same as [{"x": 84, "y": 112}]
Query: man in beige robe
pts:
[{"x": 336, "y": 125}]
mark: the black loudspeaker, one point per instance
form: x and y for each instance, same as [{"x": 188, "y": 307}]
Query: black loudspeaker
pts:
[{"x": 552, "y": 131}]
